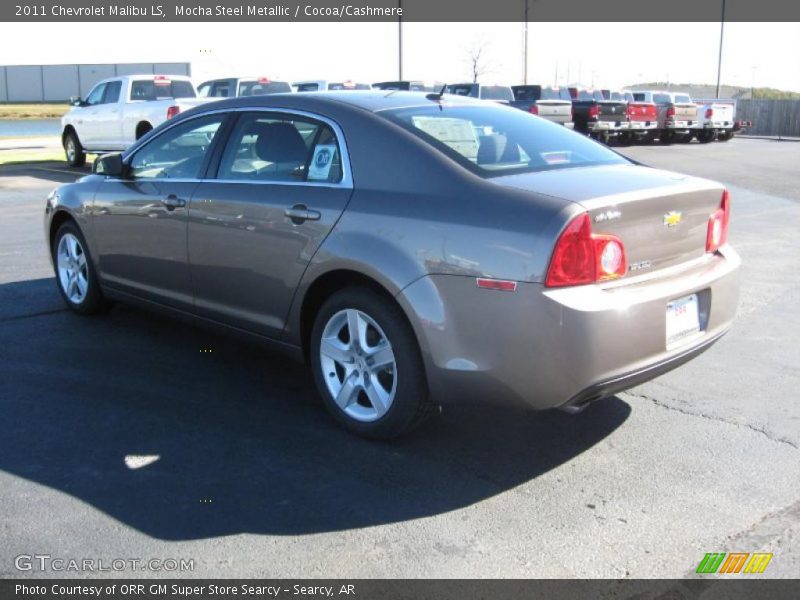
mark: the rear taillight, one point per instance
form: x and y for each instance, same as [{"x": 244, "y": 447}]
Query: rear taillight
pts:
[
  {"x": 631, "y": 110},
  {"x": 709, "y": 113},
  {"x": 594, "y": 111},
  {"x": 582, "y": 257},
  {"x": 533, "y": 109},
  {"x": 173, "y": 111},
  {"x": 670, "y": 112},
  {"x": 718, "y": 222}
]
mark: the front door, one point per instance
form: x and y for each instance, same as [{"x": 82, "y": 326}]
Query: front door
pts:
[{"x": 140, "y": 221}]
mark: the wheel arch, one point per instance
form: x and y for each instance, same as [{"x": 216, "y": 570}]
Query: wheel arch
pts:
[
  {"x": 67, "y": 130},
  {"x": 329, "y": 283},
  {"x": 142, "y": 128},
  {"x": 60, "y": 216}
]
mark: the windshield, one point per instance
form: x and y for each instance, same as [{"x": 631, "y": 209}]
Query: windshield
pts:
[{"x": 496, "y": 140}]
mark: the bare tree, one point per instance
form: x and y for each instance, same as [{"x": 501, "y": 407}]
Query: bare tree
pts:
[{"x": 478, "y": 61}]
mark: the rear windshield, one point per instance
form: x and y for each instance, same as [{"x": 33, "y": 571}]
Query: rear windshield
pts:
[
  {"x": 496, "y": 140},
  {"x": 639, "y": 97},
  {"x": 149, "y": 89},
  {"x": 662, "y": 99},
  {"x": 527, "y": 93},
  {"x": 349, "y": 86},
  {"x": 555, "y": 94},
  {"x": 622, "y": 96},
  {"x": 683, "y": 98},
  {"x": 497, "y": 92},
  {"x": 306, "y": 87},
  {"x": 256, "y": 88}
]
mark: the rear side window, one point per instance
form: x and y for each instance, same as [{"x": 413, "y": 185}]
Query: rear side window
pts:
[
  {"x": 261, "y": 88},
  {"x": 493, "y": 140},
  {"x": 281, "y": 148},
  {"x": 223, "y": 88},
  {"x": 178, "y": 153},
  {"x": 497, "y": 92},
  {"x": 153, "y": 89}
]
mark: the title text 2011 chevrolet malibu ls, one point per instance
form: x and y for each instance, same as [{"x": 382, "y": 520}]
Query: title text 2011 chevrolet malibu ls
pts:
[{"x": 413, "y": 248}]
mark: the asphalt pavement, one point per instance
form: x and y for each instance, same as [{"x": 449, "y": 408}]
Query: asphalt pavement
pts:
[{"x": 131, "y": 435}]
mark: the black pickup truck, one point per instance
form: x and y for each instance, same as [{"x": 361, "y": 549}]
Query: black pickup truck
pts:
[{"x": 600, "y": 118}]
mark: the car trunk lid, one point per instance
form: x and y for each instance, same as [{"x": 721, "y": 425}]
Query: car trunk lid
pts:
[{"x": 661, "y": 217}]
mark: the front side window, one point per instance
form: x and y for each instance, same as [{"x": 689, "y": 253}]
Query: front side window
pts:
[
  {"x": 96, "y": 95},
  {"x": 495, "y": 140},
  {"x": 273, "y": 147},
  {"x": 178, "y": 153},
  {"x": 113, "y": 89}
]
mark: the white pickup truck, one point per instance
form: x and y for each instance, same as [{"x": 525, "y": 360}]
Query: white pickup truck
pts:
[
  {"x": 120, "y": 110},
  {"x": 715, "y": 119}
]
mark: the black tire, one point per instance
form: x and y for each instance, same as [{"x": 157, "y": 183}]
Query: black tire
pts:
[
  {"x": 666, "y": 137},
  {"x": 685, "y": 138},
  {"x": 706, "y": 136},
  {"x": 625, "y": 139},
  {"x": 74, "y": 152},
  {"x": 648, "y": 137},
  {"x": 92, "y": 301},
  {"x": 411, "y": 402},
  {"x": 725, "y": 136}
]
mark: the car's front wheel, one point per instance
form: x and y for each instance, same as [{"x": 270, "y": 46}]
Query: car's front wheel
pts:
[
  {"x": 75, "y": 276},
  {"x": 367, "y": 364}
]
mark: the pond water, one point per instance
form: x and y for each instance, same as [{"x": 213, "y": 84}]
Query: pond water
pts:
[{"x": 29, "y": 127}]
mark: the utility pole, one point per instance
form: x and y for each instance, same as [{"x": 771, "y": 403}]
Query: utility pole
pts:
[
  {"x": 721, "y": 34},
  {"x": 525, "y": 47},
  {"x": 400, "y": 42}
]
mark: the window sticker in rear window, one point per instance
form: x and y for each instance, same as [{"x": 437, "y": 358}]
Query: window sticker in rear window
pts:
[{"x": 458, "y": 134}]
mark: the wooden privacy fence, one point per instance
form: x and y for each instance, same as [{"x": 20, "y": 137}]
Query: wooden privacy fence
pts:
[{"x": 770, "y": 117}]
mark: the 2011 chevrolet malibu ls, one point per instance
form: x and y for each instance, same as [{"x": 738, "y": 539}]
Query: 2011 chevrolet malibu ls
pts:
[{"x": 413, "y": 248}]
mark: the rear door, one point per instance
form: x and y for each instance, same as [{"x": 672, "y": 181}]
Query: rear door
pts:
[{"x": 281, "y": 183}]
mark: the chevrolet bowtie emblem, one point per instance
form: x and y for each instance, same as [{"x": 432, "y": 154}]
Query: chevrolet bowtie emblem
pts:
[{"x": 672, "y": 218}]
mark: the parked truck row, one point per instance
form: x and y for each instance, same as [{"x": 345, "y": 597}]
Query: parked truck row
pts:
[{"x": 120, "y": 110}]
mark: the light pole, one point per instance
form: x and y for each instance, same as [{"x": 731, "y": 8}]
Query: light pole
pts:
[
  {"x": 721, "y": 34},
  {"x": 400, "y": 41},
  {"x": 525, "y": 47}
]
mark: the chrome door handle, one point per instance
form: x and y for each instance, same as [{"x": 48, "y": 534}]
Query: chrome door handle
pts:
[
  {"x": 299, "y": 213},
  {"x": 172, "y": 202}
]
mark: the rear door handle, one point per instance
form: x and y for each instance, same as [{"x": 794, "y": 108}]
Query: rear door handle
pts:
[
  {"x": 300, "y": 212},
  {"x": 172, "y": 202}
]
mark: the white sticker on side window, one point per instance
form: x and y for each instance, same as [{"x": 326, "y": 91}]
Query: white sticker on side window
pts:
[{"x": 321, "y": 162}]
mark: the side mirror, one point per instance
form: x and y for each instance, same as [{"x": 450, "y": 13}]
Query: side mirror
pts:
[
  {"x": 75, "y": 101},
  {"x": 110, "y": 165}
]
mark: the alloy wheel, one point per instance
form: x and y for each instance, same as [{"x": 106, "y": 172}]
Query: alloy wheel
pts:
[{"x": 73, "y": 271}]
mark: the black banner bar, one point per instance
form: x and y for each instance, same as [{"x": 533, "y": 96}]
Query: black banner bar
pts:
[
  {"x": 744, "y": 587},
  {"x": 409, "y": 10}
]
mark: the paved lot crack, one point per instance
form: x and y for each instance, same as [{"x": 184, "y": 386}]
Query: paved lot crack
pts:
[
  {"x": 702, "y": 415},
  {"x": 43, "y": 313}
]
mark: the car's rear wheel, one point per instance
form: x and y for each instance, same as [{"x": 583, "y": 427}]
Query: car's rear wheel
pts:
[
  {"x": 667, "y": 137},
  {"x": 725, "y": 136},
  {"x": 75, "y": 275},
  {"x": 367, "y": 364},
  {"x": 706, "y": 136},
  {"x": 76, "y": 155}
]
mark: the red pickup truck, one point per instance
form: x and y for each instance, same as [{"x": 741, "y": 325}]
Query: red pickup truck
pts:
[{"x": 642, "y": 116}]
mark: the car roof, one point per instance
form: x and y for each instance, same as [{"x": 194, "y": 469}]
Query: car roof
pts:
[{"x": 370, "y": 100}]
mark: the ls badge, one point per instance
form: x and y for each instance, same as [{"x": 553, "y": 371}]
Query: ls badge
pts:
[{"x": 672, "y": 218}]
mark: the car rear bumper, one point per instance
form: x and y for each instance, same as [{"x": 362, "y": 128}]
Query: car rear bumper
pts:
[
  {"x": 602, "y": 126},
  {"x": 680, "y": 125},
  {"x": 642, "y": 126},
  {"x": 564, "y": 347}
]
